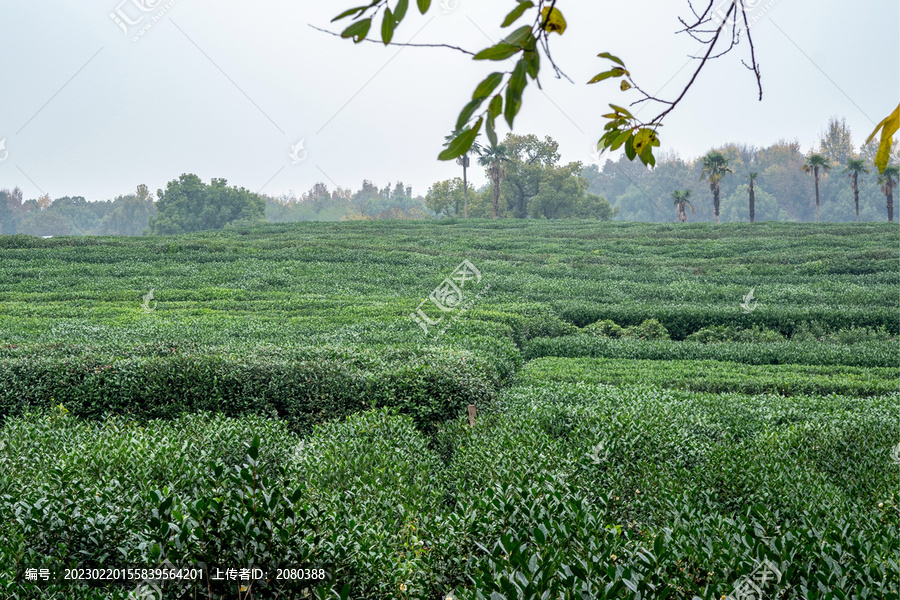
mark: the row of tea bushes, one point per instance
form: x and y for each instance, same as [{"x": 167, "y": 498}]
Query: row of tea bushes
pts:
[
  {"x": 560, "y": 490},
  {"x": 302, "y": 385},
  {"x": 681, "y": 319},
  {"x": 866, "y": 354},
  {"x": 716, "y": 376}
]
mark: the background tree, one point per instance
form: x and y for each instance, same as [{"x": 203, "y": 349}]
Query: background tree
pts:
[
  {"x": 495, "y": 159},
  {"x": 529, "y": 157},
  {"x": 815, "y": 164},
  {"x": 560, "y": 190},
  {"x": 187, "y": 204},
  {"x": 464, "y": 162},
  {"x": 836, "y": 142},
  {"x": 682, "y": 201},
  {"x": 888, "y": 180},
  {"x": 855, "y": 166},
  {"x": 446, "y": 198},
  {"x": 752, "y": 192},
  {"x": 715, "y": 167}
]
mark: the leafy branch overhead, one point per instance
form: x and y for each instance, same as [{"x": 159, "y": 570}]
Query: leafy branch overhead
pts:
[{"x": 501, "y": 92}]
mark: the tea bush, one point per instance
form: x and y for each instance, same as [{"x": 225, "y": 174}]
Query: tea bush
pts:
[
  {"x": 567, "y": 487},
  {"x": 274, "y": 404},
  {"x": 866, "y": 354},
  {"x": 720, "y": 333},
  {"x": 717, "y": 376},
  {"x": 304, "y": 386}
]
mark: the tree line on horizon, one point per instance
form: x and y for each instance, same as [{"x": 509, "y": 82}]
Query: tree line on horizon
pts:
[{"x": 836, "y": 181}]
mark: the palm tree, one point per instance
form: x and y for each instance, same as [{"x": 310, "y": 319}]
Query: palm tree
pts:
[
  {"x": 464, "y": 162},
  {"x": 493, "y": 159},
  {"x": 814, "y": 164},
  {"x": 715, "y": 166},
  {"x": 855, "y": 166},
  {"x": 752, "y": 177},
  {"x": 887, "y": 181},
  {"x": 682, "y": 198}
]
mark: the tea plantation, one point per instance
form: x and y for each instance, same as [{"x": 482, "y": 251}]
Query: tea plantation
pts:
[{"x": 663, "y": 411}]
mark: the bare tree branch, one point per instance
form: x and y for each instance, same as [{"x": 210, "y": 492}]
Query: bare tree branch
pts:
[{"x": 457, "y": 48}]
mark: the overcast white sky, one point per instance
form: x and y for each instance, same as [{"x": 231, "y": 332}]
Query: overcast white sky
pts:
[{"x": 225, "y": 88}]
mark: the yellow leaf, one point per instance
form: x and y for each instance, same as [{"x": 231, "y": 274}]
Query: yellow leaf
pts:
[
  {"x": 888, "y": 127},
  {"x": 553, "y": 22},
  {"x": 625, "y": 86}
]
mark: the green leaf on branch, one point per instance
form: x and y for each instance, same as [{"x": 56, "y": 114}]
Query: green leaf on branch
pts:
[
  {"x": 496, "y": 106},
  {"x": 423, "y": 5},
  {"x": 387, "y": 27},
  {"x": 461, "y": 143},
  {"x": 467, "y": 112},
  {"x": 358, "y": 30},
  {"x": 349, "y": 12},
  {"x": 514, "y": 89},
  {"x": 622, "y": 111},
  {"x": 489, "y": 129},
  {"x": 609, "y": 56},
  {"x": 400, "y": 10},
  {"x": 620, "y": 139},
  {"x": 629, "y": 147},
  {"x": 487, "y": 87},
  {"x": 533, "y": 63},
  {"x": 517, "y": 12},
  {"x": 499, "y": 52},
  {"x": 521, "y": 37}
]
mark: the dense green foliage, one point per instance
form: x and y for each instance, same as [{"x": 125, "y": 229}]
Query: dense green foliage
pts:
[
  {"x": 563, "y": 487},
  {"x": 187, "y": 204},
  {"x": 717, "y": 376},
  {"x": 341, "y": 439}
]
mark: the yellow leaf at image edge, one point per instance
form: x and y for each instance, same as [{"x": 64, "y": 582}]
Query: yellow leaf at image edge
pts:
[{"x": 888, "y": 127}]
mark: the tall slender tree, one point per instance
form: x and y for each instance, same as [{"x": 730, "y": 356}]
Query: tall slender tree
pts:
[
  {"x": 681, "y": 201},
  {"x": 888, "y": 181},
  {"x": 715, "y": 167},
  {"x": 855, "y": 166},
  {"x": 816, "y": 164},
  {"x": 752, "y": 177},
  {"x": 494, "y": 159},
  {"x": 463, "y": 161}
]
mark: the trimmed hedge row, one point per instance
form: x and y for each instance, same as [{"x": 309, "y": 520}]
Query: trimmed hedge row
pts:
[
  {"x": 715, "y": 376},
  {"x": 866, "y": 354},
  {"x": 681, "y": 320},
  {"x": 304, "y": 389}
]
